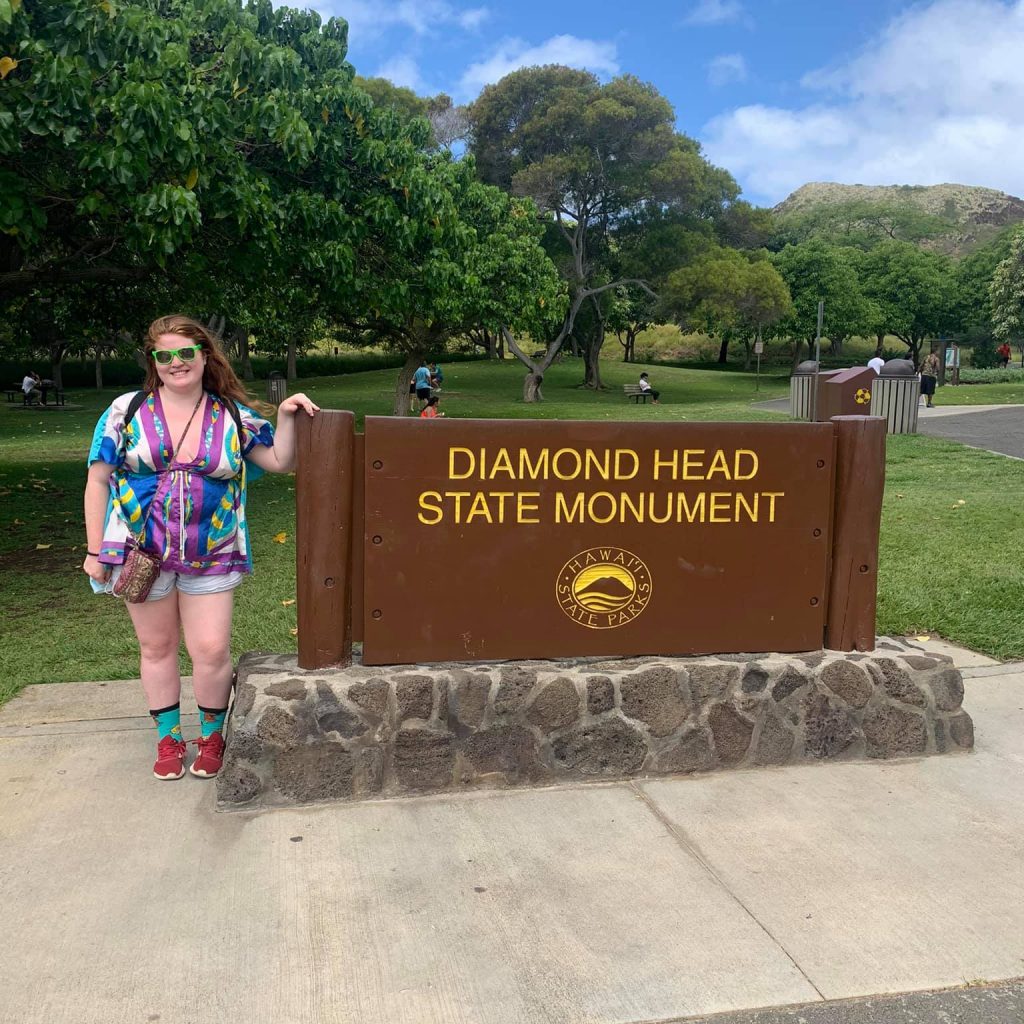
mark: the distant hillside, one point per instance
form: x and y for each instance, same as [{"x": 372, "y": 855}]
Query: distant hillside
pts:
[{"x": 954, "y": 218}]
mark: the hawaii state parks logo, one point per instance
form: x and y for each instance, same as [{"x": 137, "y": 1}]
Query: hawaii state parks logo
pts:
[{"x": 604, "y": 587}]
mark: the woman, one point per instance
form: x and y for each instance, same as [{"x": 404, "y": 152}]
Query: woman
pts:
[
  {"x": 430, "y": 409},
  {"x": 929, "y": 378},
  {"x": 645, "y": 387},
  {"x": 173, "y": 478}
]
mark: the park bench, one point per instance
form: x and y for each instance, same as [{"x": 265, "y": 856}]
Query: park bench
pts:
[{"x": 634, "y": 391}]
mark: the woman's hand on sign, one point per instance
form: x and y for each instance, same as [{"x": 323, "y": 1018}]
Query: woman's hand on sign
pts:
[{"x": 293, "y": 403}]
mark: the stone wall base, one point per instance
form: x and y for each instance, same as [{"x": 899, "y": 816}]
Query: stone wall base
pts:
[{"x": 303, "y": 737}]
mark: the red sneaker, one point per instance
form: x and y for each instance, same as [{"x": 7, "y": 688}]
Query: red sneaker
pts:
[
  {"x": 210, "y": 757},
  {"x": 170, "y": 759}
]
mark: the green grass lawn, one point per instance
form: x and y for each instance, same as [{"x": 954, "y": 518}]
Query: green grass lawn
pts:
[{"x": 946, "y": 567}]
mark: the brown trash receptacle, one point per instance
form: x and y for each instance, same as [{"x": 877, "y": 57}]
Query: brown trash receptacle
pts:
[
  {"x": 277, "y": 388},
  {"x": 846, "y": 393}
]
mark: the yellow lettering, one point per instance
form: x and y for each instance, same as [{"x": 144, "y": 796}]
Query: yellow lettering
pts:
[
  {"x": 660, "y": 463},
  {"x": 720, "y": 507},
  {"x": 650, "y": 508},
  {"x": 435, "y": 509},
  {"x": 741, "y": 499},
  {"x": 718, "y": 465},
  {"x": 737, "y": 473},
  {"x": 620, "y": 454},
  {"x": 592, "y": 460},
  {"x": 688, "y": 464},
  {"x": 683, "y": 507},
  {"x": 564, "y": 514},
  {"x": 771, "y": 496},
  {"x": 574, "y": 460},
  {"x": 523, "y": 506},
  {"x": 452, "y": 452},
  {"x": 479, "y": 508},
  {"x": 533, "y": 471},
  {"x": 502, "y": 464},
  {"x": 637, "y": 510}
]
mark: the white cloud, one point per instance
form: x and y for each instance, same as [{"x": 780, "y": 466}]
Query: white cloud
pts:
[
  {"x": 714, "y": 12},
  {"x": 937, "y": 96},
  {"x": 369, "y": 19},
  {"x": 726, "y": 68},
  {"x": 403, "y": 70},
  {"x": 510, "y": 54}
]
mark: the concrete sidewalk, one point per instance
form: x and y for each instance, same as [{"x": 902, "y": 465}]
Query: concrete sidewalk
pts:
[{"x": 126, "y": 899}]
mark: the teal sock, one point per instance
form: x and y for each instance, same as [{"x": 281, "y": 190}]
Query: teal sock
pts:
[
  {"x": 168, "y": 722},
  {"x": 211, "y": 720}
]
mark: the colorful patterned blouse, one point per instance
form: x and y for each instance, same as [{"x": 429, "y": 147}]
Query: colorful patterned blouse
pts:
[{"x": 198, "y": 522}]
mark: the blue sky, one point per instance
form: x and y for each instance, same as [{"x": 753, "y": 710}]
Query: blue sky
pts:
[{"x": 780, "y": 92}]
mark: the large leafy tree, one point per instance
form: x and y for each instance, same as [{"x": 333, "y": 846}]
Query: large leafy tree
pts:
[
  {"x": 590, "y": 156},
  {"x": 1007, "y": 292},
  {"x": 185, "y": 145},
  {"x": 912, "y": 292},
  {"x": 727, "y": 294},
  {"x": 814, "y": 271}
]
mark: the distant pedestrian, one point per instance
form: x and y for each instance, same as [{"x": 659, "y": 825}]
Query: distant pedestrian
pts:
[
  {"x": 876, "y": 363},
  {"x": 436, "y": 376},
  {"x": 1003, "y": 352},
  {"x": 645, "y": 388},
  {"x": 929, "y": 378},
  {"x": 430, "y": 410},
  {"x": 421, "y": 378}
]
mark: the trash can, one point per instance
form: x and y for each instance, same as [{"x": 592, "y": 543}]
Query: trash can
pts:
[
  {"x": 801, "y": 390},
  {"x": 277, "y": 388},
  {"x": 895, "y": 396}
]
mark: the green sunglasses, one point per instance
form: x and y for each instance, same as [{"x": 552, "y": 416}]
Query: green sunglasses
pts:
[{"x": 165, "y": 356}]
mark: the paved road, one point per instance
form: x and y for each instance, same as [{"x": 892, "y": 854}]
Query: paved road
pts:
[
  {"x": 996, "y": 430},
  {"x": 984, "y": 1004}
]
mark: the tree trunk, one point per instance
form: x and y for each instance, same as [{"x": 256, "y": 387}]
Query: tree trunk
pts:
[
  {"x": 531, "y": 387},
  {"x": 240, "y": 338},
  {"x": 723, "y": 352},
  {"x": 401, "y": 403},
  {"x": 489, "y": 344},
  {"x": 881, "y": 342},
  {"x": 99, "y": 367},
  {"x": 57, "y": 352},
  {"x": 291, "y": 373},
  {"x": 798, "y": 350},
  {"x": 748, "y": 350}
]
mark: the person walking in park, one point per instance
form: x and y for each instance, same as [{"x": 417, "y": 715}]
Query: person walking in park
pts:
[
  {"x": 168, "y": 472},
  {"x": 1004, "y": 353},
  {"x": 421, "y": 378},
  {"x": 436, "y": 376},
  {"x": 645, "y": 387},
  {"x": 929, "y": 378},
  {"x": 430, "y": 410}
]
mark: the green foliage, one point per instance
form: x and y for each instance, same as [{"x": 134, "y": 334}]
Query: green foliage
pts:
[
  {"x": 1007, "y": 292},
  {"x": 992, "y": 375},
  {"x": 861, "y": 223},
  {"x": 814, "y": 271}
]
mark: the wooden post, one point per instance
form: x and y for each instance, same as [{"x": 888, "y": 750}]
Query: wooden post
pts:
[
  {"x": 853, "y": 582},
  {"x": 324, "y": 537}
]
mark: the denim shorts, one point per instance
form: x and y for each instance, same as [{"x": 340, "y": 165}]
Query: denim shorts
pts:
[{"x": 168, "y": 581}]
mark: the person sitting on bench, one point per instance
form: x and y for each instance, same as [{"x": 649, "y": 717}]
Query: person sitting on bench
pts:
[
  {"x": 30, "y": 387},
  {"x": 645, "y": 387}
]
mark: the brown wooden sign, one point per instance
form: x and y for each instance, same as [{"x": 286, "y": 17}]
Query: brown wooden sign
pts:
[
  {"x": 471, "y": 540},
  {"x": 493, "y": 540}
]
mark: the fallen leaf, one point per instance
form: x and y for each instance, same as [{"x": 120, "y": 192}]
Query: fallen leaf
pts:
[
  {"x": 43, "y": 547},
  {"x": 923, "y": 638},
  {"x": 294, "y": 632},
  {"x": 961, "y": 502},
  {"x": 280, "y": 538},
  {"x": 288, "y": 602}
]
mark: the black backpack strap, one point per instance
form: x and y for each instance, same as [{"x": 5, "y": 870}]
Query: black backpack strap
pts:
[
  {"x": 140, "y": 396},
  {"x": 134, "y": 406}
]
